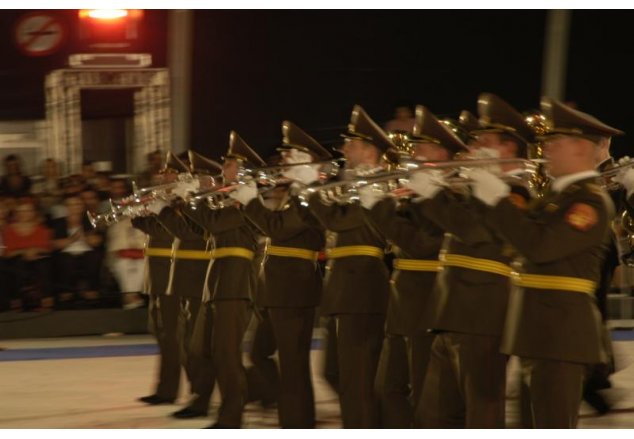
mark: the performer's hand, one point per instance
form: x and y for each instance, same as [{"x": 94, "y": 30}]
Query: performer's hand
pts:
[
  {"x": 183, "y": 189},
  {"x": 245, "y": 193},
  {"x": 487, "y": 187},
  {"x": 305, "y": 174},
  {"x": 626, "y": 178},
  {"x": 426, "y": 183},
  {"x": 369, "y": 196}
]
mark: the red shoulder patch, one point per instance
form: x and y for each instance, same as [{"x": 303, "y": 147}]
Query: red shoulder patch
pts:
[
  {"x": 582, "y": 216},
  {"x": 518, "y": 201}
]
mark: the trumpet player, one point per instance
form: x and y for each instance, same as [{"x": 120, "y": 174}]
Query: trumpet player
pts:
[
  {"x": 553, "y": 323},
  {"x": 356, "y": 285},
  {"x": 191, "y": 258},
  {"x": 466, "y": 377},
  {"x": 230, "y": 285},
  {"x": 292, "y": 279},
  {"x": 407, "y": 343},
  {"x": 164, "y": 306}
]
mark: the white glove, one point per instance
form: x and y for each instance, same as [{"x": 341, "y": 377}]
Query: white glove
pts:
[
  {"x": 245, "y": 193},
  {"x": 297, "y": 156},
  {"x": 487, "y": 187},
  {"x": 626, "y": 178},
  {"x": 183, "y": 188},
  {"x": 369, "y": 196},
  {"x": 426, "y": 183},
  {"x": 304, "y": 174},
  {"x": 485, "y": 153},
  {"x": 156, "y": 206}
]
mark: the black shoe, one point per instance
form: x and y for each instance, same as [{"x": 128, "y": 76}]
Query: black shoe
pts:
[
  {"x": 187, "y": 413},
  {"x": 156, "y": 400},
  {"x": 597, "y": 402}
]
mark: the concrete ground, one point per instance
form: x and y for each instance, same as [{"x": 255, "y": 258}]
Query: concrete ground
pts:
[{"x": 100, "y": 391}]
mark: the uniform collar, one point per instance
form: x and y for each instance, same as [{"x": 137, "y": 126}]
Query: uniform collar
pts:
[{"x": 562, "y": 183}]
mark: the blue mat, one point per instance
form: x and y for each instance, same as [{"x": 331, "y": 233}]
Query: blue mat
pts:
[
  {"x": 152, "y": 349},
  {"x": 78, "y": 352}
]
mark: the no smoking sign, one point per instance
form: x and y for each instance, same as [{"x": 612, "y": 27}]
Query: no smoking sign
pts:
[{"x": 39, "y": 34}]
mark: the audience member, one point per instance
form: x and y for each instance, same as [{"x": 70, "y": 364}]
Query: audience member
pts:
[
  {"x": 28, "y": 247},
  {"x": 14, "y": 183},
  {"x": 79, "y": 254}
]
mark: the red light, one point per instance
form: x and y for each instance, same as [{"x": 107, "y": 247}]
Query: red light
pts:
[{"x": 104, "y": 14}]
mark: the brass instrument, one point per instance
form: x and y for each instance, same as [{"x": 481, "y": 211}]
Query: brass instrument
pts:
[
  {"x": 623, "y": 228},
  {"x": 389, "y": 181},
  {"x": 539, "y": 180},
  {"x": 136, "y": 204},
  {"x": 266, "y": 177},
  {"x": 273, "y": 175}
]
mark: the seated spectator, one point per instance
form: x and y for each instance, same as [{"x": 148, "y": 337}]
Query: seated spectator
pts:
[
  {"x": 79, "y": 254},
  {"x": 119, "y": 188},
  {"x": 4, "y": 272},
  {"x": 102, "y": 186},
  {"x": 125, "y": 258},
  {"x": 71, "y": 185},
  {"x": 92, "y": 202},
  {"x": 13, "y": 183},
  {"x": 48, "y": 189},
  {"x": 28, "y": 247}
]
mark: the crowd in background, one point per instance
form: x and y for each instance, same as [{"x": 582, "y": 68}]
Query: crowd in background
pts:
[{"x": 50, "y": 255}]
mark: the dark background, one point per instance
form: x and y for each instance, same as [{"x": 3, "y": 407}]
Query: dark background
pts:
[{"x": 252, "y": 69}]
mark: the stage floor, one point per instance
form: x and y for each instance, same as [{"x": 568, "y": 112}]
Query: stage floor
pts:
[{"x": 93, "y": 382}]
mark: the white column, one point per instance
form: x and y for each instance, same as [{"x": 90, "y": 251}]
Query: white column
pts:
[
  {"x": 180, "y": 29},
  {"x": 556, "y": 53}
]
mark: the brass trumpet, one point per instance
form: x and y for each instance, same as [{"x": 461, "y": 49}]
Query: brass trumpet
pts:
[
  {"x": 266, "y": 177},
  {"x": 118, "y": 212},
  {"x": 389, "y": 181}
]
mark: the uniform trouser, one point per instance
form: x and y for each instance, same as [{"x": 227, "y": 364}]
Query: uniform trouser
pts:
[
  {"x": 230, "y": 319},
  {"x": 163, "y": 323},
  {"x": 359, "y": 339},
  {"x": 293, "y": 329},
  {"x": 400, "y": 375},
  {"x": 263, "y": 377},
  {"x": 199, "y": 365},
  {"x": 331, "y": 360},
  {"x": 465, "y": 383},
  {"x": 554, "y": 389}
]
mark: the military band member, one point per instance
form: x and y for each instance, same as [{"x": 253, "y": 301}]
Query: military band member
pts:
[
  {"x": 164, "y": 304},
  {"x": 292, "y": 279},
  {"x": 230, "y": 286},
  {"x": 163, "y": 308},
  {"x": 356, "y": 285},
  {"x": 466, "y": 376},
  {"x": 553, "y": 323},
  {"x": 407, "y": 344},
  {"x": 192, "y": 256}
]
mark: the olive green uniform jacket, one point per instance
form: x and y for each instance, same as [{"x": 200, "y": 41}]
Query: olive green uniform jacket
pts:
[
  {"x": 416, "y": 238},
  {"x": 157, "y": 279},
  {"x": 551, "y": 323},
  {"x": 354, "y": 284},
  {"x": 189, "y": 273},
  {"x": 230, "y": 277},
  {"x": 467, "y": 300},
  {"x": 289, "y": 282}
]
